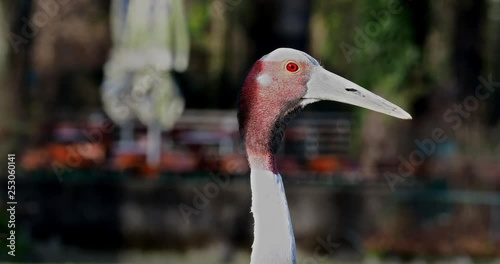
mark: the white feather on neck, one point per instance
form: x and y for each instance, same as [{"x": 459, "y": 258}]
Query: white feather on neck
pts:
[{"x": 273, "y": 234}]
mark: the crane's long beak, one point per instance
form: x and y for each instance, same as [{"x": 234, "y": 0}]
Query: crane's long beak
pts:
[{"x": 324, "y": 85}]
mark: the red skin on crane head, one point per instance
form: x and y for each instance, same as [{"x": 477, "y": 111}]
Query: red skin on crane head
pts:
[{"x": 270, "y": 96}]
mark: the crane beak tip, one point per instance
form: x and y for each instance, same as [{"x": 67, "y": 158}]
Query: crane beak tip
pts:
[{"x": 407, "y": 116}]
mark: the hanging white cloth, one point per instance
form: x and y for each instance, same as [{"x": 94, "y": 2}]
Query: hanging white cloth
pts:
[
  {"x": 150, "y": 32},
  {"x": 150, "y": 40}
]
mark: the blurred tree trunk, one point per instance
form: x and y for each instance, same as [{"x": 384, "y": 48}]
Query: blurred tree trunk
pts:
[
  {"x": 420, "y": 19},
  {"x": 12, "y": 127},
  {"x": 66, "y": 52},
  {"x": 467, "y": 65},
  {"x": 280, "y": 23},
  {"x": 262, "y": 28},
  {"x": 467, "y": 62},
  {"x": 494, "y": 117}
]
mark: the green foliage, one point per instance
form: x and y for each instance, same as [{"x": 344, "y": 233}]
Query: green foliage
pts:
[
  {"x": 387, "y": 61},
  {"x": 199, "y": 20},
  {"x": 381, "y": 54}
]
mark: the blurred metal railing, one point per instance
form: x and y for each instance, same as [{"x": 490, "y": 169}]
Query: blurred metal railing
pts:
[{"x": 311, "y": 134}]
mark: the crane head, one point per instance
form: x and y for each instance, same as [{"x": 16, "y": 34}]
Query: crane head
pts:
[{"x": 283, "y": 82}]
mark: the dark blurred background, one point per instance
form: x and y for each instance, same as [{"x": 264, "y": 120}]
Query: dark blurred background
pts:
[{"x": 380, "y": 189}]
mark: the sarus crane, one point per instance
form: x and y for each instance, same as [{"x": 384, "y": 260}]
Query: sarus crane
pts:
[{"x": 276, "y": 89}]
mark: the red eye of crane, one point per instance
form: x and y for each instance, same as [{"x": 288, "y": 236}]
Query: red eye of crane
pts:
[{"x": 292, "y": 67}]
